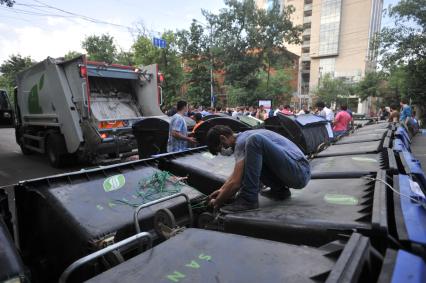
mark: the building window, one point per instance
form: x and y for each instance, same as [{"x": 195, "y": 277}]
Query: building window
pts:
[
  {"x": 327, "y": 66},
  {"x": 329, "y": 27}
]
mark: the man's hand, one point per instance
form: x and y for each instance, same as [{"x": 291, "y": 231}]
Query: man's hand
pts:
[
  {"x": 212, "y": 197},
  {"x": 192, "y": 140}
]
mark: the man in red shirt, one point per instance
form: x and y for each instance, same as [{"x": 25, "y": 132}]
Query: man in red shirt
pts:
[{"x": 341, "y": 121}]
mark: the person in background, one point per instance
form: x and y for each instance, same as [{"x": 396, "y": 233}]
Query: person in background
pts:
[
  {"x": 279, "y": 109},
  {"x": 271, "y": 112},
  {"x": 286, "y": 110},
  {"x": 341, "y": 122},
  {"x": 198, "y": 121},
  {"x": 178, "y": 131},
  {"x": 405, "y": 111},
  {"x": 394, "y": 114},
  {"x": 325, "y": 112},
  {"x": 205, "y": 112},
  {"x": 260, "y": 156},
  {"x": 261, "y": 113},
  {"x": 383, "y": 114},
  {"x": 303, "y": 111},
  {"x": 254, "y": 112}
]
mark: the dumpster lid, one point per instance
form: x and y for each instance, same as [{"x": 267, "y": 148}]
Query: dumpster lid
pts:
[
  {"x": 347, "y": 149},
  {"x": 352, "y": 165},
  {"x": 308, "y": 119},
  {"x": 402, "y": 266},
  {"x": 357, "y": 138},
  {"x": 208, "y": 256},
  {"x": 103, "y": 200},
  {"x": 10, "y": 261},
  {"x": 410, "y": 217},
  {"x": 339, "y": 204}
]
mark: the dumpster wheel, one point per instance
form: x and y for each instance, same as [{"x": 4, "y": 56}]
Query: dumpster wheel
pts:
[{"x": 164, "y": 222}]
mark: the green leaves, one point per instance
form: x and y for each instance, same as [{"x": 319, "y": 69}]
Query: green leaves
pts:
[{"x": 100, "y": 48}]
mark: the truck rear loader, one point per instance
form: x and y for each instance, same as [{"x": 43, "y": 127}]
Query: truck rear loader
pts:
[{"x": 78, "y": 108}]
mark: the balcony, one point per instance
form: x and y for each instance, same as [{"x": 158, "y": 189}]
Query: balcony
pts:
[
  {"x": 305, "y": 57},
  {"x": 306, "y": 44},
  {"x": 307, "y": 7},
  {"x": 307, "y": 20},
  {"x": 306, "y": 32}
]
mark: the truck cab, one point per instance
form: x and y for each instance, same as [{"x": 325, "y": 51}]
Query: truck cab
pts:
[{"x": 6, "y": 110}]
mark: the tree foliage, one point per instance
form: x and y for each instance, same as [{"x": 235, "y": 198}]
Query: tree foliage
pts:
[
  {"x": 71, "y": 55},
  {"x": 403, "y": 48},
  {"x": 194, "y": 47},
  {"x": 10, "y": 68},
  {"x": 168, "y": 60},
  {"x": 8, "y": 3},
  {"x": 100, "y": 48},
  {"x": 332, "y": 90}
]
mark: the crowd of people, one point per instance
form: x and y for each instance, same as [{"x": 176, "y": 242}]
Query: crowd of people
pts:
[{"x": 341, "y": 121}]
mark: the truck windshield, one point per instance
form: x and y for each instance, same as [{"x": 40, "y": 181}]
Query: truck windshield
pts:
[{"x": 4, "y": 101}]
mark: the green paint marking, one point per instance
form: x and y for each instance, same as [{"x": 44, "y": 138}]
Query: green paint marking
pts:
[
  {"x": 100, "y": 207},
  {"x": 341, "y": 199},
  {"x": 114, "y": 183},
  {"x": 205, "y": 257},
  {"x": 208, "y": 155},
  {"x": 176, "y": 276},
  {"x": 364, "y": 159},
  {"x": 193, "y": 264},
  {"x": 111, "y": 204}
]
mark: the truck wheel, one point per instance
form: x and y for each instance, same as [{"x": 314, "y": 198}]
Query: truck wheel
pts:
[
  {"x": 56, "y": 149},
  {"x": 25, "y": 150}
]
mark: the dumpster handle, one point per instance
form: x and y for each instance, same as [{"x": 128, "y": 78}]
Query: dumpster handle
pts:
[
  {"x": 80, "y": 262},
  {"x": 161, "y": 95},
  {"x": 139, "y": 208}
]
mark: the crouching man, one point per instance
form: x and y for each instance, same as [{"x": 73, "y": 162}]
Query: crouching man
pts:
[{"x": 261, "y": 156}]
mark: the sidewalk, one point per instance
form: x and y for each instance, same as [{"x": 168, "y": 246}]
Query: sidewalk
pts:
[{"x": 418, "y": 147}]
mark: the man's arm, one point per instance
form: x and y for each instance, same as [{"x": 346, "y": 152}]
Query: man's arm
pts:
[
  {"x": 230, "y": 187},
  {"x": 178, "y": 135}
]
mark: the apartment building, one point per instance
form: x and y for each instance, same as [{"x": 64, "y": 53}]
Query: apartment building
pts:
[{"x": 337, "y": 40}]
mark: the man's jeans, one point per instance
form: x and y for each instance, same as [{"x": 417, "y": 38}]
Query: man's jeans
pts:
[{"x": 271, "y": 164}]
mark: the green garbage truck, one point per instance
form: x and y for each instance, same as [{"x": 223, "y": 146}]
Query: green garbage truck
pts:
[{"x": 77, "y": 108}]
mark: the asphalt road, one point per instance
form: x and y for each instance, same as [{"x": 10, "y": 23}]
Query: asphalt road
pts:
[{"x": 15, "y": 166}]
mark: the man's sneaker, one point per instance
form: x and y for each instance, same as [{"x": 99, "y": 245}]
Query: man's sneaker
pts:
[
  {"x": 281, "y": 194},
  {"x": 239, "y": 205}
]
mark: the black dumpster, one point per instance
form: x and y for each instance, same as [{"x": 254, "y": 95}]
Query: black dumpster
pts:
[
  {"x": 11, "y": 266},
  {"x": 152, "y": 134},
  {"x": 65, "y": 217},
  {"x": 359, "y": 148},
  {"x": 364, "y": 137},
  {"x": 205, "y": 171},
  {"x": 307, "y": 131},
  {"x": 234, "y": 124},
  {"x": 362, "y": 122},
  {"x": 402, "y": 266},
  {"x": 410, "y": 217},
  {"x": 318, "y": 213},
  {"x": 208, "y": 256},
  {"x": 353, "y": 165}
]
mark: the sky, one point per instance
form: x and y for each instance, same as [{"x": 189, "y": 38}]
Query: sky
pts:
[{"x": 33, "y": 29}]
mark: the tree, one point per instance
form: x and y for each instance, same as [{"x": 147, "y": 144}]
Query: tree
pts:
[
  {"x": 250, "y": 39},
  {"x": 332, "y": 90},
  {"x": 125, "y": 58},
  {"x": 71, "y": 55},
  {"x": 370, "y": 85},
  {"x": 100, "y": 48},
  {"x": 403, "y": 48},
  {"x": 8, "y": 3},
  {"x": 194, "y": 50},
  {"x": 10, "y": 68},
  {"x": 168, "y": 60}
]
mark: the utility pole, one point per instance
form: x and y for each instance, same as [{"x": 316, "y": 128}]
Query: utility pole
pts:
[{"x": 211, "y": 67}]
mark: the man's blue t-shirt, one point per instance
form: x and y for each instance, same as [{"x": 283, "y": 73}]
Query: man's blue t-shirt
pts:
[
  {"x": 405, "y": 113},
  {"x": 288, "y": 146},
  {"x": 178, "y": 124}
]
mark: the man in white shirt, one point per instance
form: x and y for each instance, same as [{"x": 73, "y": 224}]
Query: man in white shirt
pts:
[{"x": 328, "y": 114}]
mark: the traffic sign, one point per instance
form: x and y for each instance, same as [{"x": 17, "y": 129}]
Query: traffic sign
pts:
[{"x": 159, "y": 42}]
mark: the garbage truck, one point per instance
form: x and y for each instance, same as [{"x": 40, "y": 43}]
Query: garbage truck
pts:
[{"x": 77, "y": 108}]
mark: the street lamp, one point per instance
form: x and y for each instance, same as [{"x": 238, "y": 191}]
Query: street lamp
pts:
[{"x": 211, "y": 60}]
